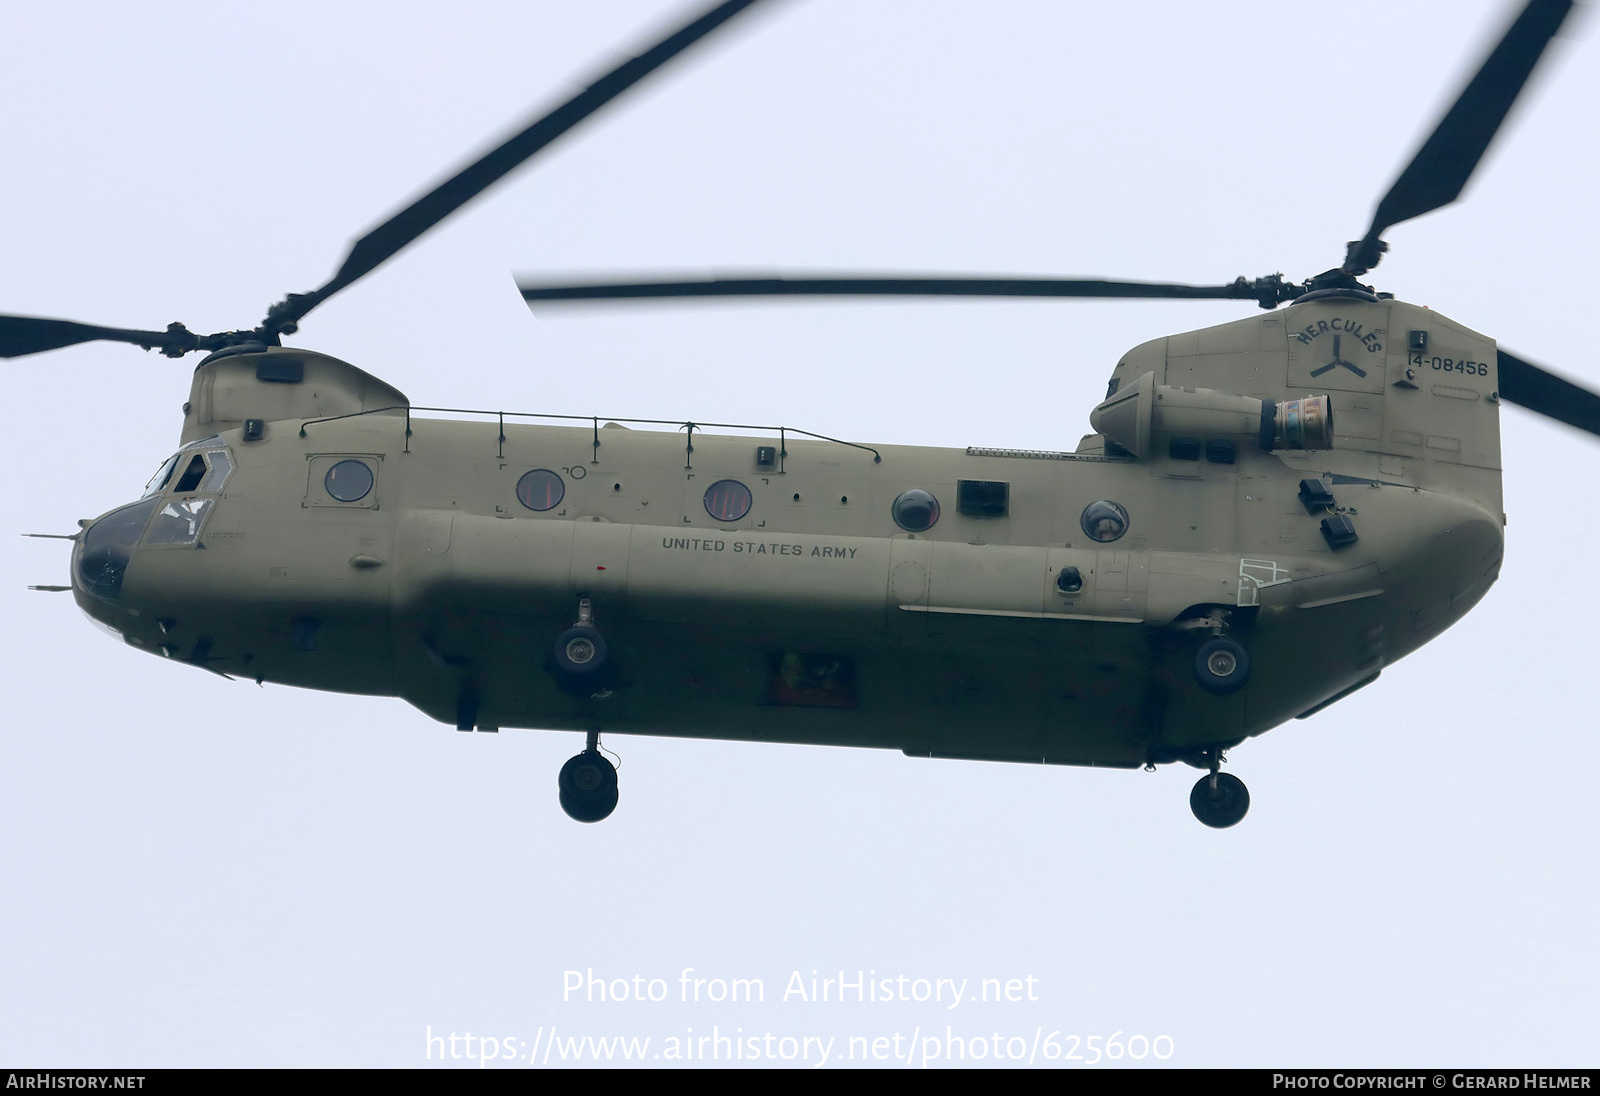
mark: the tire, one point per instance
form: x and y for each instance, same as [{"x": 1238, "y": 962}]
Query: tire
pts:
[
  {"x": 581, "y": 660},
  {"x": 1221, "y": 666},
  {"x": 580, "y": 651},
  {"x": 1223, "y": 806},
  {"x": 588, "y": 785}
]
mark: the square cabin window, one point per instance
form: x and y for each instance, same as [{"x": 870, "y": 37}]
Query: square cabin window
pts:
[{"x": 982, "y": 498}]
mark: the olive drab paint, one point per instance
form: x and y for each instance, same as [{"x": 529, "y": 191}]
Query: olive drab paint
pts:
[
  {"x": 1267, "y": 514},
  {"x": 815, "y": 618}
]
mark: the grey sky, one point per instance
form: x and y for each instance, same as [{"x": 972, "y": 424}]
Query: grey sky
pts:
[{"x": 202, "y": 872}]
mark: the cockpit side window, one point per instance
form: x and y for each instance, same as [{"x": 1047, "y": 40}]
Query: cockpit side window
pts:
[
  {"x": 192, "y": 475},
  {"x": 219, "y": 464},
  {"x": 178, "y": 522},
  {"x": 203, "y": 473}
]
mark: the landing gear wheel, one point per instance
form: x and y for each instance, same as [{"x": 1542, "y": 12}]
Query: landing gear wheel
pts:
[
  {"x": 1221, "y": 666},
  {"x": 1222, "y": 805},
  {"x": 580, "y": 659},
  {"x": 588, "y": 785}
]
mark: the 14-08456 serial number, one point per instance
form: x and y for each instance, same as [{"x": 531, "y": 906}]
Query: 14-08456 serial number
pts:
[{"x": 1453, "y": 365}]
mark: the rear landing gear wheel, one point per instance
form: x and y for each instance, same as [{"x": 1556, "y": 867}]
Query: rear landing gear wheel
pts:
[
  {"x": 1219, "y": 800},
  {"x": 1221, "y": 666},
  {"x": 588, "y": 785}
]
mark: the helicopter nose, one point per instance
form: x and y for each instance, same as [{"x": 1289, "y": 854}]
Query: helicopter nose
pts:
[{"x": 104, "y": 550}]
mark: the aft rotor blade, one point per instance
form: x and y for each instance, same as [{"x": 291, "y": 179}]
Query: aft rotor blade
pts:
[
  {"x": 20, "y": 335},
  {"x": 1446, "y": 160},
  {"x": 417, "y": 218},
  {"x": 902, "y": 286},
  {"x": 1537, "y": 389}
]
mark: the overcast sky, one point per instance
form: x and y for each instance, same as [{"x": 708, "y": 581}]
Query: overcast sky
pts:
[{"x": 201, "y": 872}]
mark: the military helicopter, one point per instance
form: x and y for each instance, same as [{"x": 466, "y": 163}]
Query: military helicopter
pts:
[{"x": 1268, "y": 513}]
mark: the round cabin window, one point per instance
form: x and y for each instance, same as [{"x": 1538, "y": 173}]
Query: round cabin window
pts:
[
  {"x": 1104, "y": 521},
  {"x": 728, "y": 500},
  {"x": 349, "y": 481},
  {"x": 541, "y": 490},
  {"x": 915, "y": 511}
]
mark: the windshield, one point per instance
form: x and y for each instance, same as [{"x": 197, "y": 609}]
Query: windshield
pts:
[{"x": 107, "y": 546}]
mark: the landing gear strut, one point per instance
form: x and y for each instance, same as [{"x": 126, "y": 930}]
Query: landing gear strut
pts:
[
  {"x": 1219, "y": 800},
  {"x": 588, "y": 784}
]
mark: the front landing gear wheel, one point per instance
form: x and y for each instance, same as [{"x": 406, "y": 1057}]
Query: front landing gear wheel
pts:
[
  {"x": 588, "y": 785},
  {"x": 1219, "y": 800},
  {"x": 580, "y": 660},
  {"x": 580, "y": 651},
  {"x": 1221, "y": 666}
]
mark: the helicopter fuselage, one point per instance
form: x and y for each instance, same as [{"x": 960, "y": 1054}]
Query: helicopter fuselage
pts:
[{"x": 319, "y": 531}]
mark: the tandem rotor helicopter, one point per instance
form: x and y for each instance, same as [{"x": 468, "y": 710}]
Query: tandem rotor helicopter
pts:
[{"x": 1267, "y": 514}]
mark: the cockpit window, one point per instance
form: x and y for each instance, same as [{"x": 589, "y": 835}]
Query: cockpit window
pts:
[
  {"x": 161, "y": 478},
  {"x": 107, "y": 546},
  {"x": 191, "y": 475},
  {"x": 203, "y": 473},
  {"x": 178, "y": 522},
  {"x": 220, "y": 464}
]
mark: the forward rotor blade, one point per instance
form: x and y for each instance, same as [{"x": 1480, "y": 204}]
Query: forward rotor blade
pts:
[
  {"x": 386, "y": 239},
  {"x": 1446, "y": 160},
  {"x": 1537, "y": 389},
  {"x": 20, "y": 335},
  {"x": 901, "y": 286}
]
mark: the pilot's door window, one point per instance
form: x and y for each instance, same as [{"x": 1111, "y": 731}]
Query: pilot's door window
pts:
[{"x": 192, "y": 475}]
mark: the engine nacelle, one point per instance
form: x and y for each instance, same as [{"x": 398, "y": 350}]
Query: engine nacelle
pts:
[{"x": 1145, "y": 410}]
